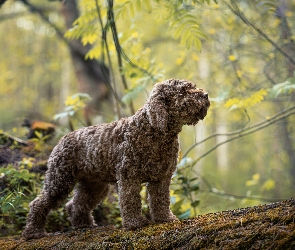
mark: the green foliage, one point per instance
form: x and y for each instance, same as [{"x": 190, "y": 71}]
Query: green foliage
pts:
[
  {"x": 286, "y": 87},
  {"x": 185, "y": 189},
  {"x": 132, "y": 93},
  {"x": 19, "y": 177},
  {"x": 74, "y": 104},
  {"x": 85, "y": 27},
  {"x": 111, "y": 210},
  {"x": 131, "y": 7},
  {"x": 39, "y": 141},
  {"x": 270, "y": 4},
  {"x": 187, "y": 27},
  {"x": 139, "y": 87},
  {"x": 21, "y": 187},
  {"x": 9, "y": 201}
]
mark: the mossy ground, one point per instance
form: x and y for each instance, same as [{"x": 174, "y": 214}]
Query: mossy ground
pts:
[{"x": 262, "y": 227}]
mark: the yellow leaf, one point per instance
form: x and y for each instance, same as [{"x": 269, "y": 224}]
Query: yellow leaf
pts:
[
  {"x": 91, "y": 38},
  {"x": 232, "y": 58},
  {"x": 252, "y": 100},
  {"x": 215, "y": 6},
  {"x": 250, "y": 183},
  {"x": 94, "y": 53},
  {"x": 212, "y": 31},
  {"x": 254, "y": 181},
  {"x": 256, "y": 177},
  {"x": 276, "y": 22},
  {"x": 231, "y": 102},
  {"x": 268, "y": 185},
  {"x": 239, "y": 73},
  {"x": 253, "y": 70},
  {"x": 179, "y": 61}
]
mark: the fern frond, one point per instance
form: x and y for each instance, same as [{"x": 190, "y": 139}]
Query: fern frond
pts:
[{"x": 187, "y": 28}]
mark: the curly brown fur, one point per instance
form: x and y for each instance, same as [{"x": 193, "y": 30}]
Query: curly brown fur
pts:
[{"x": 139, "y": 149}]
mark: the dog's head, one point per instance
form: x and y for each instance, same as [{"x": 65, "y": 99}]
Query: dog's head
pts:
[{"x": 176, "y": 102}]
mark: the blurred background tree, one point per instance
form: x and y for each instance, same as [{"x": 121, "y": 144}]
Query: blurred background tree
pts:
[{"x": 242, "y": 52}]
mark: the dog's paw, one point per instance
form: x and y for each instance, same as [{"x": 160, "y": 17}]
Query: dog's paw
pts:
[
  {"x": 33, "y": 234},
  {"x": 165, "y": 218},
  {"x": 134, "y": 223}
]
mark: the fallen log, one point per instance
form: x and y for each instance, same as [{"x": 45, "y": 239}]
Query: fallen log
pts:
[{"x": 269, "y": 226}]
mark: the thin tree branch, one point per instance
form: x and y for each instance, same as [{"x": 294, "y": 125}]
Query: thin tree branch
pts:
[
  {"x": 243, "y": 132},
  {"x": 256, "y": 198},
  {"x": 235, "y": 9},
  {"x": 111, "y": 21},
  {"x": 12, "y": 15},
  {"x": 221, "y": 193},
  {"x": 34, "y": 9},
  {"x": 13, "y": 138},
  {"x": 105, "y": 44}
]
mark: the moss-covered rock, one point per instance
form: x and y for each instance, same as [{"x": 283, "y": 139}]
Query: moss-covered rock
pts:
[{"x": 262, "y": 227}]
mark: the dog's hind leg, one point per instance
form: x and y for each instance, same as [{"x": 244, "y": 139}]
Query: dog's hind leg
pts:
[
  {"x": 57, "y": 185},
  {"x": 86, "y": 197}
]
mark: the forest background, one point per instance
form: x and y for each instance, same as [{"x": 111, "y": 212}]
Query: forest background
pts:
[{"x": 56, "y": 56}]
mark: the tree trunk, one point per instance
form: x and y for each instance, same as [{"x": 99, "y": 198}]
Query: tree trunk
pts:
[
  {"x": 92, "y": 75},
  {"x": 289, "y": 48}
]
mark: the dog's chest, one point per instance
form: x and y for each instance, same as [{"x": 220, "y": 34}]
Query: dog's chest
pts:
[{"x": 151, "y": 157}]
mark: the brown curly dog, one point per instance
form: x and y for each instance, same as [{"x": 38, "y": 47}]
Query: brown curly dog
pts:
[{"x": 139, "y": 149}]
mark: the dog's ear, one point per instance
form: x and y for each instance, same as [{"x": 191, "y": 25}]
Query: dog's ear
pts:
[{"x": 157, "y": 115}]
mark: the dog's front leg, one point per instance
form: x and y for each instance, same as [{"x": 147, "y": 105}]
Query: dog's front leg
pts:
[
  {"x": 130, "y": 204},
  {"x": 159, "y": 201}
]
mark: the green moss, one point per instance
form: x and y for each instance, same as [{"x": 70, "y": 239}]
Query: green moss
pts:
[{"x": 262, "y": 227}]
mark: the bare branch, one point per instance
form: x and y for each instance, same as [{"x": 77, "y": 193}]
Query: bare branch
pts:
[
  {"x": 221, "y": 193},
  {"x": 235, "y": 9},
  {"x": 112, "y": 75},
  {"x": 12, "y": 15},
  {"x": 13, "y": 138},
  {"x": 255, "y": 198},
  {"x": 111, "y": 22},
  {"x": 243, "y": 132}
]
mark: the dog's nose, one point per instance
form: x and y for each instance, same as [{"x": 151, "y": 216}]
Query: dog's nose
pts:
[{"x": 206, "y": 95}]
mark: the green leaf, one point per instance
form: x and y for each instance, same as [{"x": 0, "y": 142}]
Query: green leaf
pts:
[
  {"x": 134, "y": 92},
  {"x": 195, "y": 203},
  {"x": 198, "y": 44},
  {"x": 180, "y": 191},
  {"x": 185, "y": 215},
  {"x": 177, "y": 205},
  {"x": 148, "y": 6},
  {"x": 182, "y": 178},
  {"x": 131, "y": 9},
  {"x": 195, "y": 187},
  {"x": 38, "y": 134},
  {"x": 184, "y": 37},
  {"x": 60, "y": 115},
  {"x": 286, "y": 87},
  {"x": 138, "y": 5}
]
